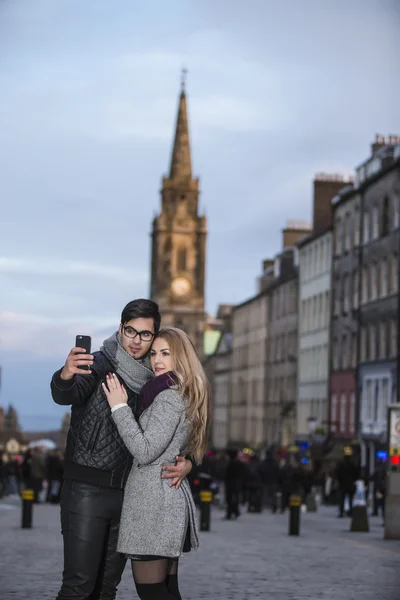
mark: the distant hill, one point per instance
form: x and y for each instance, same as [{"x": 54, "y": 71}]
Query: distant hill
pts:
[{"x": 39, "y": 422}]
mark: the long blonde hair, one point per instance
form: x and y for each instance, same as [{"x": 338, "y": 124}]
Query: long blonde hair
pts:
[{"x": 193, "y": 386}]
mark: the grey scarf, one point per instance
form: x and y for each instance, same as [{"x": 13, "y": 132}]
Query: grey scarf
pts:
[{"x": 133, "y": 372}]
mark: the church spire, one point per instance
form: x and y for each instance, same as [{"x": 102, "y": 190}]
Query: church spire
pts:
[{"x": 181, "y": 162}]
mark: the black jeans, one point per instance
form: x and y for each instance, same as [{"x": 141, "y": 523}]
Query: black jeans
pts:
[{"x": 90, "y": 518}]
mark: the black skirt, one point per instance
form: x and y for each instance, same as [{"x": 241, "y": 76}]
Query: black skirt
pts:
[{"x": 187, "y": 546}]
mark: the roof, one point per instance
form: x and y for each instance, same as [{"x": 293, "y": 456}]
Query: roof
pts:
[{"x": 210, "y": 342}]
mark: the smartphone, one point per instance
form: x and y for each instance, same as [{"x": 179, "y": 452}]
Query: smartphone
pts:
[{"x": 84, "y": 341}]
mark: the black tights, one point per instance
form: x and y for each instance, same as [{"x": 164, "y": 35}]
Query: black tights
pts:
[{"x": 156, "y": 579}]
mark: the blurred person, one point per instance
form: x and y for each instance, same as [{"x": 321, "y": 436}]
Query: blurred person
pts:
[
  {"x": 97, "y": 462},
  {"x": 159, "y": 524},
  {"x": 14, "y": 477},
  {"x": 38, "y": 473},
  {"x": 254, "y": 484},
  {"x": 233, "y": 482},
  {"x": 4, "y": 461},
  {"x": 54, "y": 475},
  {"x": 346, "y": 475}
]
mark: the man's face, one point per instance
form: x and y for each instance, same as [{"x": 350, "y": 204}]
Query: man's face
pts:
[{"x": 137, "y": 336}]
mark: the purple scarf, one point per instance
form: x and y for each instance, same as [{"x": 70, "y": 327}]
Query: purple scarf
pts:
[{"x": 155, "y": 386}]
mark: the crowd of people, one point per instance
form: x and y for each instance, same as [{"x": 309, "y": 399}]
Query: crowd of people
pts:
[
  {"x": 243, "y": 479},
  {"x": 37, "y": 468}
]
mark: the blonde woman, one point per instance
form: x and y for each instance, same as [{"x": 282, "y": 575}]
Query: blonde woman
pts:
[{"x": 158, "y": 522}]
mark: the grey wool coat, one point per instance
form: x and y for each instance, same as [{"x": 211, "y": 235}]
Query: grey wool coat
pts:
[{"x": 155, "y": 516}]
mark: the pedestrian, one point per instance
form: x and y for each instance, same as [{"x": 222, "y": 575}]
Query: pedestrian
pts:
[
  {"x": 235, "y": 475},
  {"x": 97, "y": 461},
  {"x": 346, "y": 475},
  {"x": 158, "y": 523}
]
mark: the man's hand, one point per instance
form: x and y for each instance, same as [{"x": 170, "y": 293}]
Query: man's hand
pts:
[
  {"x": 177, "y": 472},
  {"x": 76, "y": 358}
]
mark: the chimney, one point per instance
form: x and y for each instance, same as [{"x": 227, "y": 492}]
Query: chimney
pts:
[
  {"x": 267, "y": 263},
  {"x": 326, "y": 187},
  {"x": 379, "y": 142},
  {"x": 294, "y": 232}
]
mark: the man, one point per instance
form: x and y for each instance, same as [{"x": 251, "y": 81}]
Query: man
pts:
[{"x": 97, "y": 462}]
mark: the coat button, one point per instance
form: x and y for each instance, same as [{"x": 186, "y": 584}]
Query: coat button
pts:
[{"x": 138, "y": 466}]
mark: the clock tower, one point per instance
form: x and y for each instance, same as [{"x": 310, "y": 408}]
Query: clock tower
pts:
[{"x": 179, "y": 241}]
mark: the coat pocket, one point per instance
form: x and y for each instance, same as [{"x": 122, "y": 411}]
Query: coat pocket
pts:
[{"x": 93, "y": 436}]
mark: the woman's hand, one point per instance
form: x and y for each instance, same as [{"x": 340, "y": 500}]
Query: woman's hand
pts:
[{"x": 115, "y": 392}]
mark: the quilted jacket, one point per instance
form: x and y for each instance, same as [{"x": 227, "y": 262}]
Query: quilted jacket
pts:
[{"x": 95, "y": 453}]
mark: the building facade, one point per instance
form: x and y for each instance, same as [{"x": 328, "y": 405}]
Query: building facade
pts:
[
  {"x": 315, "y": 259},
  {"x": 221, "y": 390},
  {"x": 344, "y": 314},
  {"x": 378, "y": 180},
  {"x": 179, "y": 241},
  {"x": 247, "y": 407},
  {"x": 315, "y": 262}
]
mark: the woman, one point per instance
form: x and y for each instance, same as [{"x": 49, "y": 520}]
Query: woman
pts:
[{"x": 158, "y": 522}]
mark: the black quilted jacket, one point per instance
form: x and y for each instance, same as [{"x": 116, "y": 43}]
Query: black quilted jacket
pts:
[{"x": 95, "y": 453}]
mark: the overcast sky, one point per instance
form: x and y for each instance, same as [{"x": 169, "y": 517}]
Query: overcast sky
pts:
[{"x": 89, "y": 90}]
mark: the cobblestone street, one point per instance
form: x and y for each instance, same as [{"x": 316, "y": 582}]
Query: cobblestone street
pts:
[{"x": 240, "y": 560}]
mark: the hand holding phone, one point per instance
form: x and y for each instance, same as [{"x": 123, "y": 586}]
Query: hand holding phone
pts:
[{"x": 79, "y": 360}]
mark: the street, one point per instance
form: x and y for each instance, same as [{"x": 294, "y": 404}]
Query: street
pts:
[{"x": 238, "y": 560}]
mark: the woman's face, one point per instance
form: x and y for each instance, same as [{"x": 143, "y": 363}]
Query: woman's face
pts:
[{"x": 160, "y": 357}]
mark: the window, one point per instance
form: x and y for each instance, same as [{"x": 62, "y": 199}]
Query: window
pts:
[
  {"x": 327, "y": 309},
  {"x": 346, "y": 294},
  {"x": 356, "y": 227},
  {"x": 393, "y": 273},
  {"x": 335, "y": 354},
  {"x": 342, "y": 411},
  {"x": 374, "y": 282},
  {"x": 395, "y": 211},
  {"x": 385, "y": 400},
  {"x": 352, "y": 413},
  {"x": 345, "y": 353},
  {"x": 382, "y": 340},
  {"x": 385, "y": 221},
  {"x": 364, "y": 283},
  {"x": 393, "y": 338},
  {"x": 356, "y": 283},
  {"x": 369, "y": 400},
  {"x": 366, "y": 228},
  {"x": 337, "y": 297},
  {"x": 383, "y": 286},
  {"x": 181, "y": 259},
  {"x": 353, "y": 350},
  {"x": 338, "y": 237},
  {"x": 372, "y": 342},
  {"x": 347, "y": 232},
  {"x": 333, "y": 418},
  {"x": 363, "y": 344},
  {"x": 375, "y": 222}
]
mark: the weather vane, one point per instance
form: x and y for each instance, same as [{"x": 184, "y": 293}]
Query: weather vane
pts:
[{"x": 184, "y": 73}]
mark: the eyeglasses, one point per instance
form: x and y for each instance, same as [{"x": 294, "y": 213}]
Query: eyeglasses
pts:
[{"x": 131, "y": 332}]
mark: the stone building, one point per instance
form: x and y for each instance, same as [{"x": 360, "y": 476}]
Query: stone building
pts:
[
  {"x": 344, "y": 314},
  {"x": 247, "y": 417},
  {"x": 281, "y": 345},
  {"x": 221, "y": 392},
  {"x": 315, "y": 260},
  {"x": 179, "y": 241},
  {"x": 378, "y": 181}
]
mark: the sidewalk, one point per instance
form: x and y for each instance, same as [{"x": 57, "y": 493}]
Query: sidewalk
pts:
[{"x": 238, "y": 560}]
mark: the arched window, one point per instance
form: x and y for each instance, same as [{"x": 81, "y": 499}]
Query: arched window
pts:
[{"x": 182, "y": 255}]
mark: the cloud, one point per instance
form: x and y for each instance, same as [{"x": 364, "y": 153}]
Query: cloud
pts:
[{"x": 43, "y": 337}]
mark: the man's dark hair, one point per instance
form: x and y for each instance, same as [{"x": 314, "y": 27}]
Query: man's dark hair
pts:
[{"x": 142, "y": 309}]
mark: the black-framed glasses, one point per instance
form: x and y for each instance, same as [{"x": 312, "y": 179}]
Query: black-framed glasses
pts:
[{"x": 131, "y": 332}]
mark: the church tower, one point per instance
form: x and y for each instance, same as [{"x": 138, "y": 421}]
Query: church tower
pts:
[{"x": 179, "y": 241}]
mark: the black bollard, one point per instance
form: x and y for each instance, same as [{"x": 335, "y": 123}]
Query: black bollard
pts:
[
  {"x": 27, "y": 506},
  {"x": 205, "y": 510},
  {"x": 294, "y": 515}
]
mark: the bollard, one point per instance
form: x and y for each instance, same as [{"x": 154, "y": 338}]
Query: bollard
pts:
[
  {"x": 359, "y": 514},
  {"x": 294, "y": 515},
  {"x": 205, "y": 510},
  {"x": 27, "y": 505}
]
